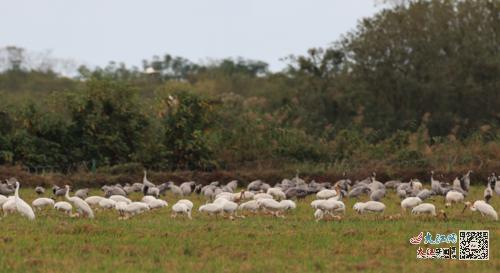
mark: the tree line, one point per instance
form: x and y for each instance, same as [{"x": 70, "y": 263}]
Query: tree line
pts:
[{"x": 415, "y": 84}]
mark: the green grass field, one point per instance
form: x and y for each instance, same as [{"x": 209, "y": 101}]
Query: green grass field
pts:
[{"x": 154, "y": 242}]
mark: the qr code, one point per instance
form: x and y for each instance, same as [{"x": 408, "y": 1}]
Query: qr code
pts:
[{"x": 474, "y": 245}]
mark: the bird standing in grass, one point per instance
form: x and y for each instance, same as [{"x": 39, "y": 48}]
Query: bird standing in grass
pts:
[
  {"x": 211, "y": 209},
  {"x": 488, "y": 192},
  {"x": 370, "y": 206},
  {"x": 428, "y": 209},
  {"x": 454, "y": 196},
  {"x": 93, "y": 200},
  {"x": 39, "y": 190},
  {"x": 42, "y": 202},
  {"x": 482, "y": 207},
  {"x": 58, "y": 191},
  {"x": 465, "y": 181},
  {"x": 251, "y": 206},
  {"x": 425, "y": 208},
  {"x": 81, "y": 206},
  {"x": 145, "y": 180},
  {"x": 22, "y": 207},
  {"x": 9, "y": 206},
  {"x": 181, "y": 208},
  {"x": 64, "y": 207},
  {"x": 410, "y": 203}
]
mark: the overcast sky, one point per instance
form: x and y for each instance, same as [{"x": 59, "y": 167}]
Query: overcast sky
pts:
[{"x": 94, "y": 32}]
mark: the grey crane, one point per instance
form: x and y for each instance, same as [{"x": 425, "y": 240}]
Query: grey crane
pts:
[
  {"x": 488, "y": 192},
  {"x": 58, "y": 191},
  {"x": 82, "y": 193},
  {"x": 39, "y": 190},
  {"x": 465, "y": 181}
]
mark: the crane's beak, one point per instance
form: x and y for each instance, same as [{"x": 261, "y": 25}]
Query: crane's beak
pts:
[{"x": 465, "y": 207}]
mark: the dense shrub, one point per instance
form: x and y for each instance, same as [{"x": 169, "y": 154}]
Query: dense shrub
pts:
[{"x": 413, "y": 86}]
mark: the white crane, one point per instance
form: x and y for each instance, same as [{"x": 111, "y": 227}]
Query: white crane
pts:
[
  {"x": 226, "y": 195},
  {"x": 119, "y": 198},
  {"x": 39, "y": 203},
  {"x": 251, "y": 206},
  {"x": 410, "y": 203},
  {"x": 211, "y": 209},
  {"x": 276, "y": 208},
  {"x": 154, "y": 203},
  {"x": 318, "y": 215},
  {"x": 3, "y": 199},
  {"x": 454, "y": 196},
  {"x": 429, "y": 209},
  {"x": 186, "y": 202},
  {"x": 94, "y": 200},
  {"x": 148, "y": 198},
  {"x": 245, "y": 195},
  {"x": 146, "y": 182},
  {"x": 181, "y": 208},
  {"x": 131, "y": 209},
  {"x": 22, "y": 207},
  {"x": 326, "y": 194},
  {"x": 425, "y": 208},
  {"x": 329, "y": 206},
  {"x": 484, "y": 208},
  {"x": 81, "y": 206},
  {"x": 157, "y": 203},
  {"x": 106, "y": 203},
  {"x": 417, "y": 185},
  {"x": 229, "y": 207},
  {"x": 288, "y": 204},
  {"x": 277, "y": 193},
  {"x": 64, "y": 207},
  {"x": 370, "y": 206},
  {"x": 262, "y": 196},
  {"x": 9, "y": 206}
]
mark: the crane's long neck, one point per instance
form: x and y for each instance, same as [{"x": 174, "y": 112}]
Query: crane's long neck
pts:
[
  {"x": 67, "y": 194},
  {"x": 432, "y": 178},
  {"x": 16, "y": 194}
]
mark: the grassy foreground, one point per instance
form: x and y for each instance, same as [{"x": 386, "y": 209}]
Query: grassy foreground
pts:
[{"x": 153, "y": 242}]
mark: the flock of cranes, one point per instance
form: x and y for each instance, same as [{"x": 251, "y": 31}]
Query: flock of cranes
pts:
[{"x": 258, "y": 197}]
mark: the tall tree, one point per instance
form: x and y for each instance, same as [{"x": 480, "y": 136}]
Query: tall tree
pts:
[{"x": 436, "y": 57}]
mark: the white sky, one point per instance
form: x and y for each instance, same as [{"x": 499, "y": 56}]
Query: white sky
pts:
[{"x": 97, "y": 31}]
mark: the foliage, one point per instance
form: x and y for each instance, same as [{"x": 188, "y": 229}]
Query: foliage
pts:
[
  {"x": 186, "y": 123},
  {"x": 414, "y": 85},
  {"x": 107, "y": 123}
]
